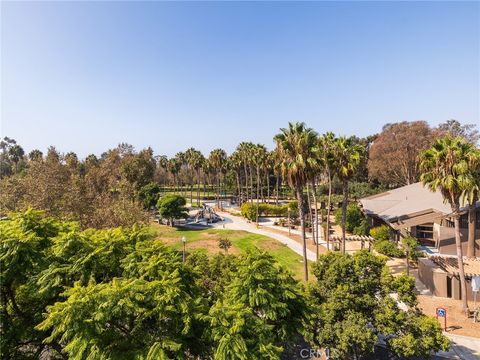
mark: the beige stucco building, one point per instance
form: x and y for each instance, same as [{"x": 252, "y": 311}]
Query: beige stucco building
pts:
[{"x": 417, "y": 211}]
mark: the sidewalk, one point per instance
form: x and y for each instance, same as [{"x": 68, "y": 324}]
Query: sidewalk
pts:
[
  {"x": 238, "y": 223},
  {"x": 462, "y": 347}
]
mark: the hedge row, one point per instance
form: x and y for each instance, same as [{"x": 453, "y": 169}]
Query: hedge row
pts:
[{"x": 249, "y": 210}]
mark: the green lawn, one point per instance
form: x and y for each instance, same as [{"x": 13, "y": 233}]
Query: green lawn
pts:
[{"x": 207, "y": 241}]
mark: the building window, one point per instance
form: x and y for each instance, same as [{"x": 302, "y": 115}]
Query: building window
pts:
[
  {"x": 425, "y": 232},
  {"x": 464, "y": 221}
]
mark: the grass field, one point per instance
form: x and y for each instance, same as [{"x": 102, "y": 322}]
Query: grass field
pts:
[{"x": 206, "y": 240}]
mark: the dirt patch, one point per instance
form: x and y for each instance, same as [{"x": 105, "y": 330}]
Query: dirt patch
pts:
[
  {"x": 457, "y": 322},
  {"x": 168, "y": 240},
  {"x": 211, "y": 246},
  {"x": 271, "y": 245}
]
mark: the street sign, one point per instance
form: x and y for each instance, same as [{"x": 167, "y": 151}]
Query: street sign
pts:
[{"x": 441, "y": 312}]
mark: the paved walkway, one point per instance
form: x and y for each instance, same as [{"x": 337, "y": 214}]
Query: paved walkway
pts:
[
  {"x": 462, "y": 347},
  {"x": 238, "y": 223}
]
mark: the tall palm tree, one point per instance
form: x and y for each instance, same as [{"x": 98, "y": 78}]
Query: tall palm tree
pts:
[
  {"x": 181, "y": 159},
  {"x": 217, "y": 159},
  {"x": 174, "y": 166},
  {"x": 162, "y": 163},
  {"x": 245, "y": 152},
  {"x": 348, "y": 156},
  {"x": 296, "y": 147},
  {"x": 450, "y": 166},
  {"x": 259, "y": 154},
  {"x": 189, "y": 160},
  {"x": 327, "y": 145},
  {"x": 235, "y": 163}
]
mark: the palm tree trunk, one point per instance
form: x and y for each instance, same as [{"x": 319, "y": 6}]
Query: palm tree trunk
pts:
[
  {"x": 198, "y": 187},
  {"x": 278, "y": 189},
  {"x": 261, "y": 187},
  {"x": 315, "y": 203},
  {"x": 251, "y": 183},
  {"x": 461, "y": 271},
  {"x": 344, "y": 213},
  {"x": 191, "y": 188},
  {"x": 246, "y": 180},
  {"x": 258, "y": 190},
  {"x": 472, "y": 219},
  {"x": 268, "y": 185},
  {"x": 239, "y": 189},
  {"x": 310, "y": 213},
  {"x": 301, "y": 214},
  {"x": 329, "y": 204}
]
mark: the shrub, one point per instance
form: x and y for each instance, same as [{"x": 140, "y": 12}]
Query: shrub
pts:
[
  {"x": 224, "y": 244},
  {"x": 249, "y": 210},
  {"x": 380, "y": 233},
  {"x": 362, "y": 229},
  {"x": 410, "y": 244},
  {"x": 388, "y": 248},
  {"x": 354, "y": 217}
]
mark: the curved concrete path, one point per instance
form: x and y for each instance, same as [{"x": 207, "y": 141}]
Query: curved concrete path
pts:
[{"x": 238, "y": 223}]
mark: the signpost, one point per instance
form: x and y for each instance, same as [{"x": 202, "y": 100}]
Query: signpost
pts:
[{"x": 441, "y": 312}]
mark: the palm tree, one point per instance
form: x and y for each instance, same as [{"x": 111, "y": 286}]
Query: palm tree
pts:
[
  {"x": 217, "y": 159},
  {"x": 296, "y": 146},
  {"x": 194, "y": 159},
  {"x": 162, "y": 163},
  {"x": 244, "y": 150},
  {"x": 450, "y": 166},
  {"x": 174, "y": 168},
  {"x": 181, "y": 159},
  {"x": 327, "y": 158},
  {"x": 235, "y": 163},
  {"x": 259, "y": 154},
  {"x": 348, "y": 155}
]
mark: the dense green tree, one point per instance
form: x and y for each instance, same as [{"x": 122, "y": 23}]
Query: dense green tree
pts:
[
  {"x": 354, "y": 217},
  {"x": 172, "y": 207},
  {"x": 261, "y": 311},
  {"x": 149, "y": 195},
  {"x": 352, "y": 305}
]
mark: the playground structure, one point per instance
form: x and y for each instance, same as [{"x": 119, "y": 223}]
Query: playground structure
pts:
[{"x": 208, "y": 214}]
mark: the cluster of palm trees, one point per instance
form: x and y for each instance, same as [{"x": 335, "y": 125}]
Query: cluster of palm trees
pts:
[
  {"x": 302, "y": 159},
  {"x": 252, "y": 167},
  {"x": 306, "y": 158},
  {"x": 452, "y": 165}
]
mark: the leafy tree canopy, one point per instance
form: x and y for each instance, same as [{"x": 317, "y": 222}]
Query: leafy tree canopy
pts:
[
  {"x": 351, "y": 306},
  {"x": 172, "y": 207}
]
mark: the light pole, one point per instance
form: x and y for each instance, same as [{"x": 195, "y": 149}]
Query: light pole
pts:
[{"x": 184, "y": 242}]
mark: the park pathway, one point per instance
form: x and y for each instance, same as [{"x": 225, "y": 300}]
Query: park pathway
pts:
[{"x": 238, "y": 223}]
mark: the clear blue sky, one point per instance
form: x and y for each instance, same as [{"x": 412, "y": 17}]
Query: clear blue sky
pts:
[{"x": 86, "y": 76}]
